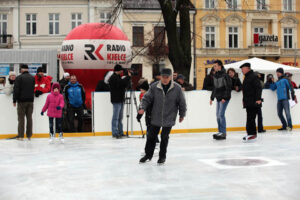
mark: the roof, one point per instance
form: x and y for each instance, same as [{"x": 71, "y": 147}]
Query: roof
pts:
[
  {"x": 262, "y": 65},
  {"x": 144, "y": 4}
]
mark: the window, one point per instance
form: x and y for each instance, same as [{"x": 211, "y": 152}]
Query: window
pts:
[
  {"x": 210, "y": 36},
  {"x": 288, "y": 38},
  {"x": 159, "y": 36},
  {"x": 210, "y": 4},
  {"x": 288, "y": 5},
  {"x": 53, "y": 24},
  {"x": 138, "y": 36},
  {"x": 261, "y": 4},
  {"x": 105, "y": 17},
  {"x": 232, "y": 4},
  {"x": 76, "y": 19},
  {"x": 3, "y": 28},
  {"x": 30, "y": 24},
  {"x": 259, "y": 30},
  {"x": 233, "y": 37}
]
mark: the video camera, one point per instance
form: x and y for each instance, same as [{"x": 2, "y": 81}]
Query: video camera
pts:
[{"x": 133, "y": 70}]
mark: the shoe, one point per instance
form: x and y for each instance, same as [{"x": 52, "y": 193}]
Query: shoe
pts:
[
  {"x": 161, "y": 161},
  {"x": 29, "y": 139},
  {"x": 249, "y": 138},
  {"x": 289, "y": 128},
  {"x": 282, "y": 129},
  {"x": 262, "y": 131},
  {"x": 219, "y": 136},
  {"x": 144, "y": 159}
]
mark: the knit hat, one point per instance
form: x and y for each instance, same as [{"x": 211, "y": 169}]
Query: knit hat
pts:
[
  {"x": 12, "y": 73},
  {"x": 55, "y": 85},
  {"x": 40, "y": 69},
  {"x": 166, "y": 72},
  {"x": 145, "y": 85},
  {"x": 118, "y": 68},
  {"x": 280, "y": 70},
  {"x": 180, "y": 76},
  {"x": 24, "y": 66},
  {"x": 66, "y": 74},
  {"x": 245, "y": 65}
]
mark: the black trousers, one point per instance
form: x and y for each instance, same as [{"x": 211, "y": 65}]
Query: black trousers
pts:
[
  {"x": 71, "y": 115},
  {"x": 151, "y": 141},
  {"x": 260, "y": 120},
  {"x": 58, "y": 125},
  {"x": 251, "y": 115}
]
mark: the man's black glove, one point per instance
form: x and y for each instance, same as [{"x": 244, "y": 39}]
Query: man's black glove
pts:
[
  {"x": 139, "y": 117},
  {"x": 38, "y": 93}
]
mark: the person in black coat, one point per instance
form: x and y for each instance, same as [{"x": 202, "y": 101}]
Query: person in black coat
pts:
[
  {"x": 103, "y": 85},
  {"x": 208, "y": 83},
  {"x": 118, "y": 86},
  {"x": 24, "y": 95},
  {"x": 236, "y": 82},
  {"x": 252, "y": 100}
]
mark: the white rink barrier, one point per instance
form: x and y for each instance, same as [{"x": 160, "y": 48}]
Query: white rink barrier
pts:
[
  {"x": 9, "y": 118},
  {"x": 200, "y": 115}
]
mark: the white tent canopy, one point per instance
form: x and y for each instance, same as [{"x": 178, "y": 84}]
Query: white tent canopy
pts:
[{"x": 262, "y": 66}]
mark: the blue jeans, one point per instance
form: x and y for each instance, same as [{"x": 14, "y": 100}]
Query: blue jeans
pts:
[
  {"x": 284, "y": 105},
  {"x": 116, "y": 123},
  {"x": 221, "y": 108}
]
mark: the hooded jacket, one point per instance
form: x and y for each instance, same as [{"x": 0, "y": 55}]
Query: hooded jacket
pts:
[
  {"x": 42, "y": 84},
  {"x": 222, "y": 86},
  {"x": 54, "y": 99},
  {"x": 283, "y": 86},
  {"x": 75, "y": 95},
  {"x": 165, "y": 107}
]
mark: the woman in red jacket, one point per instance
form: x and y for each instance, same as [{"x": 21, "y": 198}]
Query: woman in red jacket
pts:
[{"x": 54, "y": 104}]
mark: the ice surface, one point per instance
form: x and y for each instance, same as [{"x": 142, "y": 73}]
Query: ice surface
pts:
[{"x": 104, "y": 168}]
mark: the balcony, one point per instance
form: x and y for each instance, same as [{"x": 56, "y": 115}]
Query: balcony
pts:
[
  {"x": 6, "y": 41},
  {"x": 267, "y": 50}
]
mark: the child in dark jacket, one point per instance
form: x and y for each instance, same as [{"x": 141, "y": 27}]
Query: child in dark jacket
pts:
[{"x": 54, "y": 104}]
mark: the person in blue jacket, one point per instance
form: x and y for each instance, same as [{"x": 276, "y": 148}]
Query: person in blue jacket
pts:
[
  {"x": 75, "y": 101},
  {"x": 283, "y": 88}
]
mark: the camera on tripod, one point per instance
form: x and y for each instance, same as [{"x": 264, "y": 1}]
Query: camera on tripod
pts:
[{"x": 133, "y": 70}]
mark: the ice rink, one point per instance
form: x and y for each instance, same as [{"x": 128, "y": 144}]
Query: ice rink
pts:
[{"x": 198, "y": 168}]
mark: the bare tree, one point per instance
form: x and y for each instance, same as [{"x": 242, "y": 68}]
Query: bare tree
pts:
[{"x": 179, "y": 42}]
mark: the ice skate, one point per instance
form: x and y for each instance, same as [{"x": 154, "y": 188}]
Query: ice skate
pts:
[
  {"x": 51, "y": 140},
  {"x": 145, "y": 159},
  {"x": 161, "y": 161},
  {"x": 219, "y": 136},
  {"x": 249, "y": 138},
  {"x": 61, "y": 138}
]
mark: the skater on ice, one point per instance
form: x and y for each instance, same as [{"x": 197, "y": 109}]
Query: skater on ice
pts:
[
  {"x": 252, "y": 100},
  {"x": 54, "y": 105},
  {"x": 221, "y": 92},
  {"x": 167, "y": 99}
]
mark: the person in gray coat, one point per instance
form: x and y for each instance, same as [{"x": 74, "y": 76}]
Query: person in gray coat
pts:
[{"x": 167, "y": 99}]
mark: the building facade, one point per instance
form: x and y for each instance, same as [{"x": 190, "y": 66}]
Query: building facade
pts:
[
  {"x": 43, "y": 24},
  {"x": 143, "y": 23},
  {"x": 235, "y": 30}
]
